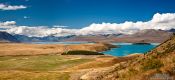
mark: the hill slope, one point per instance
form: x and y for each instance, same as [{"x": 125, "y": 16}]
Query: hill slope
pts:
[{"x": 157, "y": 64}]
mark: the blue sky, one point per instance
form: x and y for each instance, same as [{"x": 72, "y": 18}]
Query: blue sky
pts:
[{"x": 81, "y": 13}]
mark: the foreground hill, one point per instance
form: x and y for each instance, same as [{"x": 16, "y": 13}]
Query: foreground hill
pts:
[
  {"x": 157, "y": 64},
  {"x": 6, "y": 37}
]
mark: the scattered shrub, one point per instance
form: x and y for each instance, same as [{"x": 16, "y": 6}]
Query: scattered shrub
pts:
[
  {"x": 152, "y": 64},
  {"x": 82, "y": 52},
  {"x": 173, "y": 60},
  {"x": 132, "y": 71}
]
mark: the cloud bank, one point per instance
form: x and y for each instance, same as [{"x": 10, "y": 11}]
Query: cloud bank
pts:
[
  {"x": 159, "y": 21},
  {"x": 41, "y": 31},
  {"x": 11, "y": 7},
  {"x": 7, "y": 24},
  {"x": 164, "y": 21}
]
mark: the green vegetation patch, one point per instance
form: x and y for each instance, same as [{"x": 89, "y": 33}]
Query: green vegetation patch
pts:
[
  {"x": 82, "y": 52},
  {"x": 39, "y": 62}
]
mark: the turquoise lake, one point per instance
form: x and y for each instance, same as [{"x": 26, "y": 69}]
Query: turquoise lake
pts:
[
  {"x": 127, "y": 48},
  {"x": 123, "y": 50}
]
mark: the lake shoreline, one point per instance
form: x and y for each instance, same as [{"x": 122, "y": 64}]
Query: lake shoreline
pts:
[{"x": 45, "y": 49}]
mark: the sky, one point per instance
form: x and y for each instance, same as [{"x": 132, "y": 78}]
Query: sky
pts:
[
  {"x": 85, "y": 15},
  {"x": 81, "y": 13}
]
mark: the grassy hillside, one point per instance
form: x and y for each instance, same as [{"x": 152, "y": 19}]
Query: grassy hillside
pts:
[
  {"x": 157, "y": 64},
  {"x": 51, "y": 67},
  {"x": 39, "y": 63},
  {"x": 40, "y": 67}
]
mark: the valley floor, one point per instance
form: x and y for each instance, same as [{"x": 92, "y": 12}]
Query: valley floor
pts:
[
  {"x": 52, "y": 67},
  {"x": 44, "y": 62},
  {"x": 15, "y": 49}
]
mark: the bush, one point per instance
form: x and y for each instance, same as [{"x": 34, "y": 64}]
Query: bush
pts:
[
  {"x": 82, "y": 52},
  {"x": 173, "y": 60},
  {"x": 152, "y": 64},
  {"x": 132, "y": 71}
]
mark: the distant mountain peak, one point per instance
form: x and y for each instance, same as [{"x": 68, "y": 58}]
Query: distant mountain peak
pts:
[{"x": 6, "y": 37}]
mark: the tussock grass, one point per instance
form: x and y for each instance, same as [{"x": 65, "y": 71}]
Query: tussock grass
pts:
[
  {"x": 22, "y": 75},
  {"x": 40, "y": 67}
]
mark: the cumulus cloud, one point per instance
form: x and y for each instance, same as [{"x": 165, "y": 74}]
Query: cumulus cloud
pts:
[
  {"x": 159, "y": 21},
  {"x": 41, "y": 31},
  {"x": 11, "y": 7},
  {"x": 7, "y": 24},
  {"x": 164, "y": 21}
]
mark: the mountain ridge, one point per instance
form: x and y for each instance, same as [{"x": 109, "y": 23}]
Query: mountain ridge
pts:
[
  {"x": 148, "y": 36},
  {"x": 6, "y": 37}
]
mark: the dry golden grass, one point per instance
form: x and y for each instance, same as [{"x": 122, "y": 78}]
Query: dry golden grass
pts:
[
  {"x": 36, "y": 49},
  {"x": 102, "y": 62},
  {"x": 97, "y": 63},
  {"x": 23, "y": 75},
  {"x": 19, "y": 61},
  {"x": 50, "y": 67}
]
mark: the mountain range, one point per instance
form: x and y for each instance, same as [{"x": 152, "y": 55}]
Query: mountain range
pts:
[
  {"x": 6, "y": 37},
  {"x": 50, "y": 38},
  {"x": 149, "y": 35}
]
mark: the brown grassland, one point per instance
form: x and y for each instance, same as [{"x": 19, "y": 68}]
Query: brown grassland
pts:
[{"x": 19, "y": 61}]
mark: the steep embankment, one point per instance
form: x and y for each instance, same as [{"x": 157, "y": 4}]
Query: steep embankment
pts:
[{"x": 158, "y": 63}]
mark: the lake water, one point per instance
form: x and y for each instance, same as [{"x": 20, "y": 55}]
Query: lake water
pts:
[
  {"x": 123, "y": 50},
  {"x": 127, "y": 48}
]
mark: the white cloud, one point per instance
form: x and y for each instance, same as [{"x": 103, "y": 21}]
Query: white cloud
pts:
[
  {"x": 40, "y": 31},
  {"x": 58, "y": 26},
  {"x": 26, "y": 17},
  {"x": 7, "y": 24},
  {"x": 163, "y": 18},
  {"x": 159, "y": 21},
  {"x": 10, "y": 7}
]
